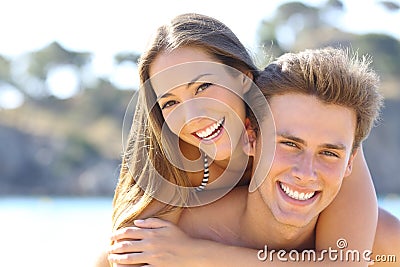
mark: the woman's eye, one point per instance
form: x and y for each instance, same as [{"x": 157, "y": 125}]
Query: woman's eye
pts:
[
  {"x": 168, "y": 104},
  {"x": 203, "y": 87}
]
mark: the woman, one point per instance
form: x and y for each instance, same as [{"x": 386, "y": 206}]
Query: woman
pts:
[
  {"x": 150, "y": 138},
  {"x": 200, "y": 38}
]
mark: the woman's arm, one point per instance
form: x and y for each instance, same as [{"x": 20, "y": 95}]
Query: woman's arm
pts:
[
  {"x": 353, "y": 214},
  {"x": 102, "y": 260},
  {"x": 162, "y": 244},
  {"x": 153, "y": 208}
]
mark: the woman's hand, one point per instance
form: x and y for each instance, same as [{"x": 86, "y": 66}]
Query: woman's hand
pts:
[{"x": 154, "y": 242}]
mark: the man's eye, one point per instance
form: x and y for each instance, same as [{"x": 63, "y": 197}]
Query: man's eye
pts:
[
  {"x": 290, "y": 144},
  {"x": 330, "y": 154},
  {"x": 168, "y": 104},
  {"x": 203, "y": 87}
]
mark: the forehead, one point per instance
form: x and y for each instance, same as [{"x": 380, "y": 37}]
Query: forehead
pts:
[
  {"x": 308, "y": 118},
  {"x": 184, "y": 65},
  {"x": 168, "y": 59}
]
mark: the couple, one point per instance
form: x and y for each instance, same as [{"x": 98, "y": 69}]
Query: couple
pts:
[{"x": 309, "y": 183}]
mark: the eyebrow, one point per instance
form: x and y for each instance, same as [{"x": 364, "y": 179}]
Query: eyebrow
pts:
[
  {"x": 301, "y": 141},
  {"x": 187, "y": 86},
  {"x": 335, "y": 146}
]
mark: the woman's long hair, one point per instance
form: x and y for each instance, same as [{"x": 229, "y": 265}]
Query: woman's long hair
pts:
[{"x": 145, "y": 159}]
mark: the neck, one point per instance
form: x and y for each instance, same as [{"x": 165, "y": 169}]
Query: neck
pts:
[
  {"x": 223, "y": 173},
  {"x": 235, "y": 162},
  {"x": 235, "y": 171},
  {"x": 260, "y": 228}
]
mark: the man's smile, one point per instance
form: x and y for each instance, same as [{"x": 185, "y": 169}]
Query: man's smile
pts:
[{"x": 296, "y": 196}]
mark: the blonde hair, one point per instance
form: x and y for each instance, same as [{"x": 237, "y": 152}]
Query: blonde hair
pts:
[{"x": 145, "y": 159}]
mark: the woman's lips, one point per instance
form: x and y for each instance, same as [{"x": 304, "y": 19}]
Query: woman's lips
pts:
[{"x": 211, "y": 131}]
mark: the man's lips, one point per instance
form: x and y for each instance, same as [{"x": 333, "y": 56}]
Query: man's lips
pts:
[{"x": 301, "y": 195}]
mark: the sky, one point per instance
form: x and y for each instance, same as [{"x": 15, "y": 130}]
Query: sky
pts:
[{"x": 105, "y": 28}]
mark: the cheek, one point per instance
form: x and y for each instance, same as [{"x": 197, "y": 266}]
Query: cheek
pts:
[
  {"x": 172, "y": 121},
  {"x": 333, "y": 173},
  {"x": 230, "y": 100},
  {"x": 284, "y": 158},
  {"x": 239, "y": 106}
]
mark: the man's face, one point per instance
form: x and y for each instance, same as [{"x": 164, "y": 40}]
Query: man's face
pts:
[{"x": 313, "y": 153}]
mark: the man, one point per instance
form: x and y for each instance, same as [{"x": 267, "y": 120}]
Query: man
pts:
[{"x": 323, "y": 105}]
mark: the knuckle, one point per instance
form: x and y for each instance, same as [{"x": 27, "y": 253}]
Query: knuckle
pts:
[
  {"x": 122, "y": 232},
  {"x": 129, "y": 231},
  {"x": 152, "y": 234},
  {"x": 125, "y": 244},
  {"x": 126, "y": 258}
]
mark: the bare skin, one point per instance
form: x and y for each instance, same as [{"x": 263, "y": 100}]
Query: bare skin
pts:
[
  {"x": 337, "y": 220},
  {"x": 187, "y": 251},
  {"x": 217, "y": 223}
]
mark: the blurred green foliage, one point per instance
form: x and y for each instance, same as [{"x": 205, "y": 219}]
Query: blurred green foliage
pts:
[
  {"x": 54, "y": 55},
  {"x": 72, "y": 146}
]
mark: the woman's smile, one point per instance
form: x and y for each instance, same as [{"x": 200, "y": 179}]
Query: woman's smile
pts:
[{"x": 211, "y": 132}]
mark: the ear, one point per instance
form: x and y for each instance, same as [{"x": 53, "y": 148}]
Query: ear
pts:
[
  {"x": 249, "y": 139},
  {"x": 349, "y": 166},
  {"x": 247, "y": 81}
]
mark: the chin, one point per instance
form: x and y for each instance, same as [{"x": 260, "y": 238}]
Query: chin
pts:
[
  {"x": 221, "y": 156},
  {"x": 222, "y": 153},
  {"x": 294, "y": 220}
]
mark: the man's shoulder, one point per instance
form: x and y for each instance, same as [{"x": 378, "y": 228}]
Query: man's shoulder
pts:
[
  {"x": 220, "y": 211},
  {"x": 235, "y": 200}
]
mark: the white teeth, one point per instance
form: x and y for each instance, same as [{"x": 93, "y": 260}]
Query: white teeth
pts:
[
  {"x": 296, "y": 195},
  {"x": 206, "y": 134}
]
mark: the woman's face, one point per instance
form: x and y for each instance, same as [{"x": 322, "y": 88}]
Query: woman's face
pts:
[{"x": 201, "y": 99}]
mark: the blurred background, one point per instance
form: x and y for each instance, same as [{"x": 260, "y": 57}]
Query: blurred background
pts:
[{"x": 68, "y": 71}]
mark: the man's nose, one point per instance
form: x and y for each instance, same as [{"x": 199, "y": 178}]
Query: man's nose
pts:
[{"x": 304, "y": 169}]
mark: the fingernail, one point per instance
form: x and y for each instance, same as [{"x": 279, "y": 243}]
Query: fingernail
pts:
[{"x": 138, "y": 221}]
